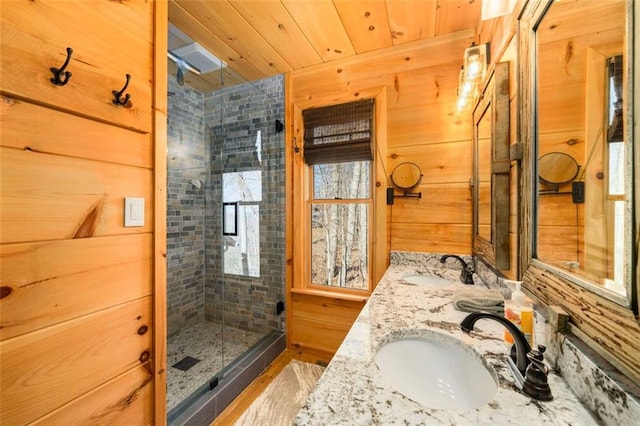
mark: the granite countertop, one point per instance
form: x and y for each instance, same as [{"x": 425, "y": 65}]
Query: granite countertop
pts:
[{"x": 352, "y": 390}]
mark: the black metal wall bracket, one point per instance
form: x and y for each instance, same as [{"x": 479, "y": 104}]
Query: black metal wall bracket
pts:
[
  {"x": 391, "y": 195},
  {"x": 118, "y": 95},
  {"x": 58, "y": 73}
]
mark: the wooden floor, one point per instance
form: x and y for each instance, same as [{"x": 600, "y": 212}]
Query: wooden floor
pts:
[{"x": 244, "y": 400}]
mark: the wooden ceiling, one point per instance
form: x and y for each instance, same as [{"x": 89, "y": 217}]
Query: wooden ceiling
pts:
[{"x": 262, "y": 38}]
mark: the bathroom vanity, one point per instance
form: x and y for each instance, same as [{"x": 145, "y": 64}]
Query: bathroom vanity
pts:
[{"x": 353, "y": 391}]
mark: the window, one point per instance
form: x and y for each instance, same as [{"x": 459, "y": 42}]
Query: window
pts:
[
  {"x": 615, "y": 151},
  {"x": 338, "y": 152},
  {"x": 241, "y": 196}
]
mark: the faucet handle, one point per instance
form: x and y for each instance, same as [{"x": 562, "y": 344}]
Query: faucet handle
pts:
[
  {"x": 535, "y": 377},
  {"x": 537, "y": 360}
]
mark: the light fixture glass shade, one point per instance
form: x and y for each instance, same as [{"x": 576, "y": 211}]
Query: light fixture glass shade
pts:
[
  {"x": 494, "y": 8},
  {"x": 467, "y": 91},
  {"x": 475, "y": 63}
]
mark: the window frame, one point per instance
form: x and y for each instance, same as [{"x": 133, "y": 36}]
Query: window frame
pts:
[
  {"x": 369, "y": 201},
  {"x": 300, "y": 179}
]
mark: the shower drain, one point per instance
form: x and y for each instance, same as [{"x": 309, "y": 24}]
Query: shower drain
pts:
[{"x": 186, "y": 363}]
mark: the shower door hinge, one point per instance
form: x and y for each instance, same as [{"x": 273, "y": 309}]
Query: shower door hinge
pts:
[{"x": 279, "y": 307}]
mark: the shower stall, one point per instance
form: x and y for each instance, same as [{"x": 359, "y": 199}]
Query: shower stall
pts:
[{"x": 225, "y": 241}]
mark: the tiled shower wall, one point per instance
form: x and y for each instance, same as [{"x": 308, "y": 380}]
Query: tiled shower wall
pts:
[
  {"x": 249, "y": 302},
  {"x": 185, "y": 207},
  {"x": 208, "y": 134}
]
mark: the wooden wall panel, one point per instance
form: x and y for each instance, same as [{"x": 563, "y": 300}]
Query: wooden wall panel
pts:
[
  {"x": 442, "y": 163},
  {"x": 407, "y": 127},
  {"x": 76, "y": 286},
  {"x": 35, "y": 128},
  {"x": 316, "y": 336},
  {"x": 330, "y": 310},
  {"x": 45, "y": 370},
  {"x": 47, "y": 197},
  {"x": 77, "y": 276},
  {"x": 125, "y": 400},
  {"x": 35, "y": 36},
  {"x": 434, "y": 238},
  {"x": 444, "y": 204},
  {"x": 321, "y": 323},
  {"x": 350, "y": 76},
  {"x": 434, "y": 83}
]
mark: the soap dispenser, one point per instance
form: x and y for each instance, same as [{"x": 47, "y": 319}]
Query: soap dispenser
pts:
[{"x": 519, "y": 310}]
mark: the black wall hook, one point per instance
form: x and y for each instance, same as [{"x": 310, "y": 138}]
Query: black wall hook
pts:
[
  {"x": 118, "y": 95},
  {"x": 59, "y": 72}
]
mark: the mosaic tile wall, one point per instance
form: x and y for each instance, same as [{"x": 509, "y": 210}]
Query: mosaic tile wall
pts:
[
  {"x": 249, "y": 303},
  {"x": 185, "y": 207}
]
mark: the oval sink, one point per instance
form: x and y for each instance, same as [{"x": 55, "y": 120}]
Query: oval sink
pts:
[
  {"x": 437, "y": 373},
  {"x": 427, "y": 280}
]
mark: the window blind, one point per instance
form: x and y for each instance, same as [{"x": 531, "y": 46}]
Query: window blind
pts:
[{"x": 338, "y": 133}]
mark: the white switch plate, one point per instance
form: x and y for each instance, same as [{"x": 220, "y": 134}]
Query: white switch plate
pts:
[{"x": 133, "y": 211}]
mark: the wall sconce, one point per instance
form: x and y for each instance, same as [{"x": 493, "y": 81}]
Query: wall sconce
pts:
[
  {"x": 475, "y": 62},
  {"x": 473, "y": 71},
  {"x": 467, "y": 92},
  {"x": 494, "y": 8}
]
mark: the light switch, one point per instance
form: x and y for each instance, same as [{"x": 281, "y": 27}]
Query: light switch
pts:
[{"x": 133, "y": 211}]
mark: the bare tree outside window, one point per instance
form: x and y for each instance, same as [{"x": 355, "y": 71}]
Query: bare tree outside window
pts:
[
  {"x": 340, "y": 225},
  {"x": 242, "y": 251}
]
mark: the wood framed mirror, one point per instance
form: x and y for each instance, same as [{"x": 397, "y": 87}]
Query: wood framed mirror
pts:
[
  {"x": 579, "y": 65},
  {"x": 491, "y": 170},
  {"x": 583, "y": 230}
]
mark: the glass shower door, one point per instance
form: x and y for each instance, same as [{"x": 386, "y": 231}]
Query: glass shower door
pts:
[
  {"x": 248, "y": 177},
  {"x": 226, "y": 279}
]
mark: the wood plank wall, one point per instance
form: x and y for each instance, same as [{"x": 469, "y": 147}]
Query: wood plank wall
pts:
[
  {"x": 420, "y": 81},
  {"x": 77, "y": 287}
]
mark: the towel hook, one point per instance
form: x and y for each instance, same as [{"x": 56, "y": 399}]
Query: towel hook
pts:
[
  {"x": 118, "y": 95},
  {"x": 58, "y": 72}
]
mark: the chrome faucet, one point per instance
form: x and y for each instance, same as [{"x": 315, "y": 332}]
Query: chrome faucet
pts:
[
  {"x": 466, "y": 276},
  {"x": 527, "y": 365}
]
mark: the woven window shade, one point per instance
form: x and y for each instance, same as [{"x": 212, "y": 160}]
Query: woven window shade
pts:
[
  {"x": 615, "y": 132},
  {"x": 338, "y": 133}
]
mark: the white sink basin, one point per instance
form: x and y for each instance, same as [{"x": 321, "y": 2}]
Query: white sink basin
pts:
[
  {"x": 437, "y": 373},
  {"x": 427, "y": 280}
]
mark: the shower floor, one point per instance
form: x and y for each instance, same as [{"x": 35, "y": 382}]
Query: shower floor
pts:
[{"x": 203, "y": 341}]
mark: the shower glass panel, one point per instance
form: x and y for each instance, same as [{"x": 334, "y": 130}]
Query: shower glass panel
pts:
[
  {"x": 225, "y": 229},
  {"x": 188, "y": 355},
  {"x": 247, "y": 174}
]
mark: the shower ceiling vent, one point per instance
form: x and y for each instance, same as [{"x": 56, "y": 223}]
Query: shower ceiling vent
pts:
[{"x": 199, "y": 58}]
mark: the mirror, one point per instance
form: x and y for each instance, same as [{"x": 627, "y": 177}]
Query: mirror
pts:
[
  {"x": 556, "y": 169},
  {"x": 483, "y": 158},
  {"x": 491, "y": 169},
  {"x": 583, "y": 222},
  {"x": 406, "y": 175}
]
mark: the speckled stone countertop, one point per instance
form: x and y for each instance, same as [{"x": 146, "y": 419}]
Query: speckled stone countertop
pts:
[{"x": 352, "y": 390}]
